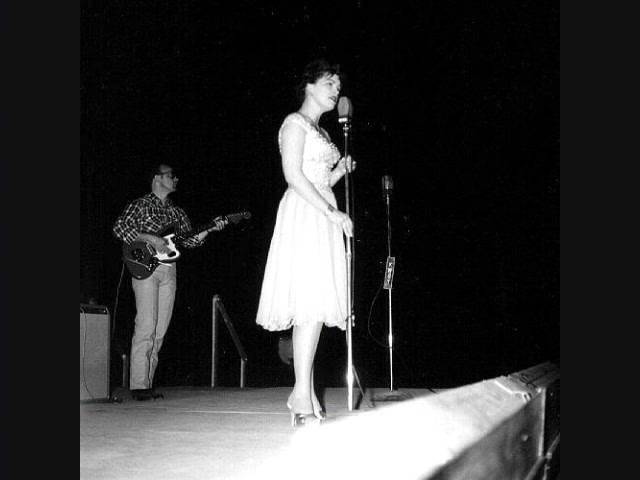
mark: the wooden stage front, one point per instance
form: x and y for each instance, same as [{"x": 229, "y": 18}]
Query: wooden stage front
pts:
[{"x": 233, "y": 433}]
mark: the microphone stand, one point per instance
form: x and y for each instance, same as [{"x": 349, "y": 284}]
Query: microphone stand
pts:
[
  {"x": 391, "y": 395},
  {"x": 351, "y": 371}
]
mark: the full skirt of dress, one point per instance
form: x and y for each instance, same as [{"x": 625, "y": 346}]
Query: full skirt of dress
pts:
[{"x": 305, "y": 278}]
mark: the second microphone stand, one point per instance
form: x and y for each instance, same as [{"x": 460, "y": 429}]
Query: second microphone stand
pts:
[{"x": 391, "y": 395}]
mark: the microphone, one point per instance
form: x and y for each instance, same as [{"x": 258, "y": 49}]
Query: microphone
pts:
[
  {"x": 345, "y": 110},
  {"x": 387, "y": 185}
]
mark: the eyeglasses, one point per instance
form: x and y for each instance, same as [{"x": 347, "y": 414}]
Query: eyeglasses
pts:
[{"x": 171, "y": 175}]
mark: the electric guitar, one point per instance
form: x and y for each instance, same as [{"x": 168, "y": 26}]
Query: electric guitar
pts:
[{"x": 141, "y": 258}]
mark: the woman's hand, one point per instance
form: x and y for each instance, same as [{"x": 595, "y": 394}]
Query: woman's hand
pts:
[
  {"x": 350, "y": 164},
  {"x": 341, "y": 169},
  {"x": 342, "y": 219},
  {"x": 346, "y": 164}
]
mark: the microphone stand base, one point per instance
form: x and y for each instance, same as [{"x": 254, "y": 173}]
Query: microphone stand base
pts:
[{"x": 391, "y": 396}]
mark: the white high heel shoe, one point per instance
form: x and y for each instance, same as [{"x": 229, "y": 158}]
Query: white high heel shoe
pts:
[
  {"x": 300, "y": 419},
  {"x": 318, "y": 411}
]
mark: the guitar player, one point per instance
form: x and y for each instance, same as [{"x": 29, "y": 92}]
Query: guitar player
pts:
[{"x": 141, "y": 221}]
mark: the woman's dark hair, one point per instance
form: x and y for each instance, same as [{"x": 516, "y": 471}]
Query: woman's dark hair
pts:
[{"x": 313, "y": 71}]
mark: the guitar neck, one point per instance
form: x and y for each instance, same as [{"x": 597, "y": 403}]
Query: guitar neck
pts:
[
  {"x": 213, "y": 225},
  {"x": 207, "y": 227}
]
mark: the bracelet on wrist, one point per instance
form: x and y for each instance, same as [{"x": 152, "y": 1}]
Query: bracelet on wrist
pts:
[{"x": 330, "y": 209}]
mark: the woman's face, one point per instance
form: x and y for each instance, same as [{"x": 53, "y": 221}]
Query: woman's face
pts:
[{"x": 325, "y": 91}]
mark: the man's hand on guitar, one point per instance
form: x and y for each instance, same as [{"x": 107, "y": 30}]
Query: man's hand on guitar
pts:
[
  {"x": 201, "y": 236},
  {"x": 219, "y": 224},
  {"x": 160, "y": 244}
]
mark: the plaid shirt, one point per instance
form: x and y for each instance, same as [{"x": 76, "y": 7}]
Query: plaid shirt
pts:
[{"x": 149, "y": 215}]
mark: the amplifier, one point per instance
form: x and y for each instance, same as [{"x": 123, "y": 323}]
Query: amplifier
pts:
[{"x": 94, "y": 352}]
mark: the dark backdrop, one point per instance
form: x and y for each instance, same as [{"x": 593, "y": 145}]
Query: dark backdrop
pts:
[{"x": 457, "y": 101}]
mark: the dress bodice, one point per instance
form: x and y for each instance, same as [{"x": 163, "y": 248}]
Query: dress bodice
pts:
[{"x": 319, "y": 155}]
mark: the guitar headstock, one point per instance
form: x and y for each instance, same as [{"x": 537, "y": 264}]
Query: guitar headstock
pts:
[
  {"x": 236, "y": 217},
  {"x": 225, "y": 219}
]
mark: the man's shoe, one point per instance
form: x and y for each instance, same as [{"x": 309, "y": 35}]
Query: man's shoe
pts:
[
  {"x": 155, "y": 395},
  {"x": 141, "y": 394}
]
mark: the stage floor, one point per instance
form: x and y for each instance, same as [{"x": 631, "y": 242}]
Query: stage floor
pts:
[{"x": 212, "y": 433}]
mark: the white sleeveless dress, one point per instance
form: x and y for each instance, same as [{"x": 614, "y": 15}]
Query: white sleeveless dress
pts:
[{"x": 305, "y": 278}]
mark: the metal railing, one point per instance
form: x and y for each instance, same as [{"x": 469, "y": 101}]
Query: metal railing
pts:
[{"x": 218, "y": 308}]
